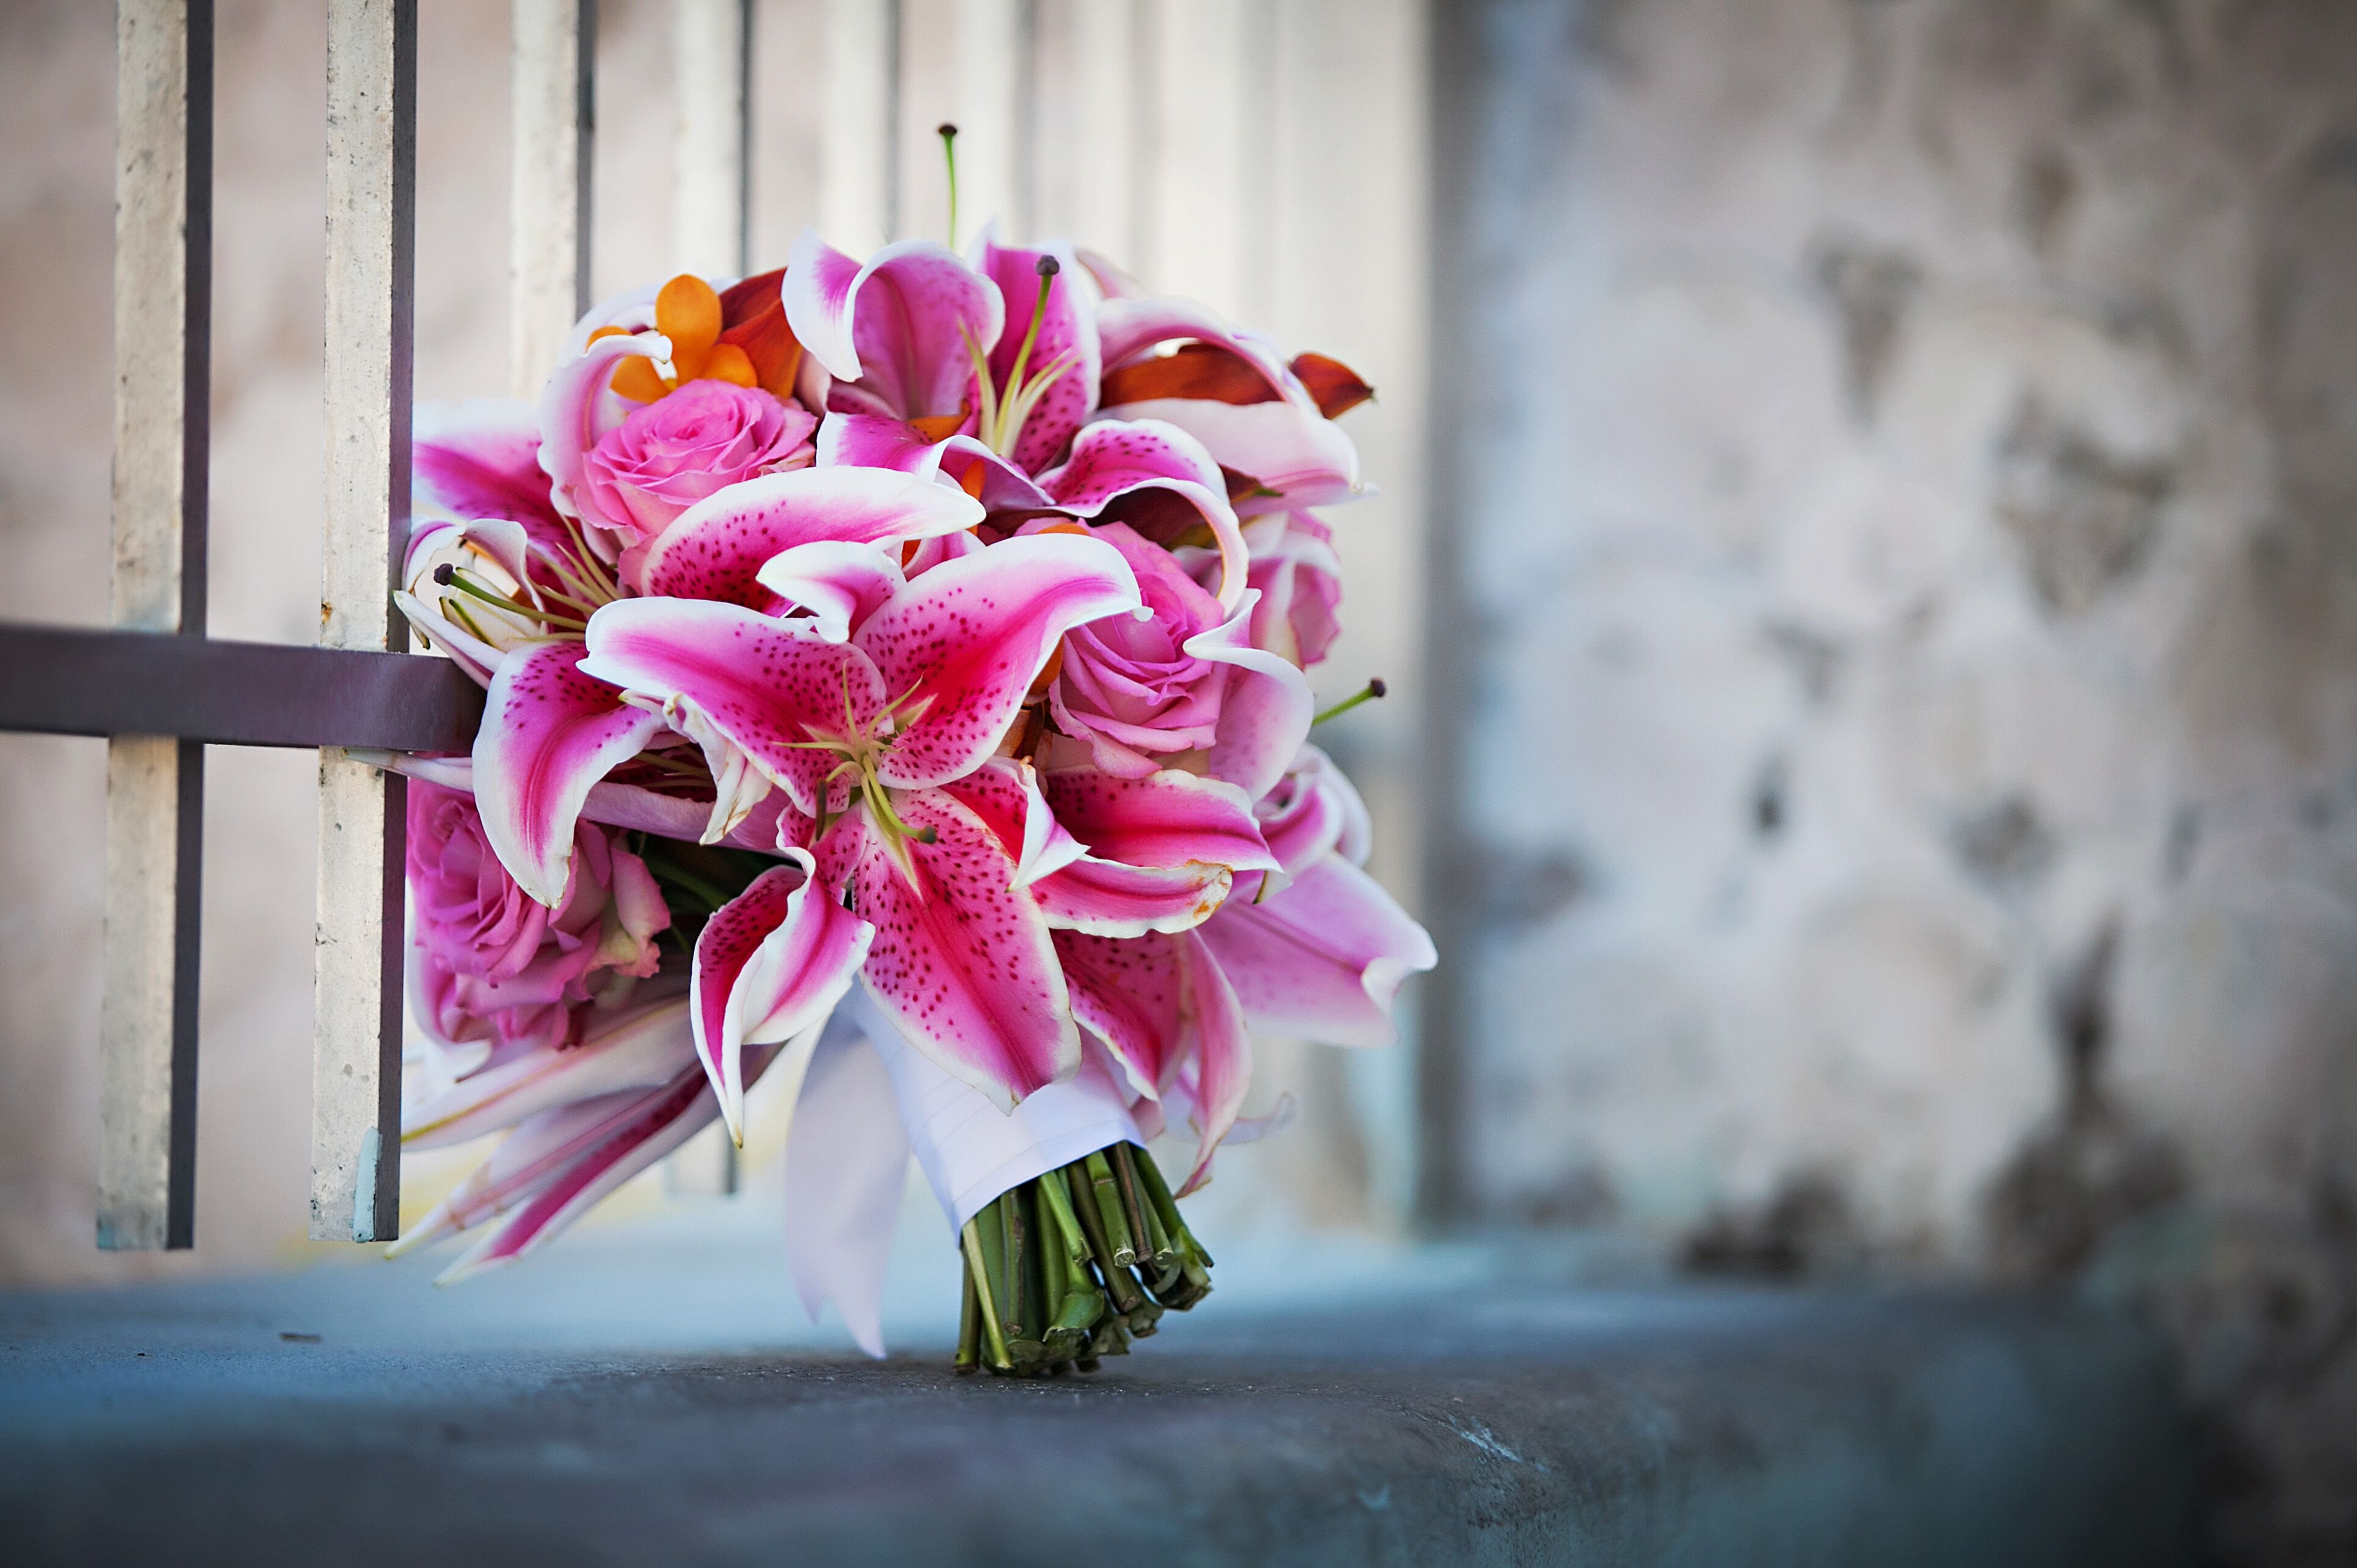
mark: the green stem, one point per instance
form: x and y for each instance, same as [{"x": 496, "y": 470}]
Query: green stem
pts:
[
  {"x": 1119, "y": 1288},
  {"x": 1125, "y": 1177},
  {"x": 1083, "y": 1300},
  {"x": 1018, "y": 1313},
  {"x": 1172, "y": 1220},
  {"x": 986, "y": 1305},
  {"x": 969, "y": 1351},
  {"x": 1067, "y": 1224},
  {"x": 1107, "y": 1192}
]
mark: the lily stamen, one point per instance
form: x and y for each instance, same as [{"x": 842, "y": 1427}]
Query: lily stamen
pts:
[
  {"x": 1006, "y": 410},
  {"x": 1373, "y": 690},
  {"x": 450, "y": 577},
  {"x": 1046, "y": 269},
  {"x": 948, "y": 134}
]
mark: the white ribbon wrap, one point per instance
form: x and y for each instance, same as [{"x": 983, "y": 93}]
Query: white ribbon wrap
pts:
[
  {"x": 971, "y": 1150},
  {"x": 869, "y": 1100}
]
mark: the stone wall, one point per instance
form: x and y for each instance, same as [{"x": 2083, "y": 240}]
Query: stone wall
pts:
[{"x": 1903, "y": 598}]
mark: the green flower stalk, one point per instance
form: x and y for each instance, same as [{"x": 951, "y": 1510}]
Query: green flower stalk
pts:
[{"x": 1068, "y": 1268}]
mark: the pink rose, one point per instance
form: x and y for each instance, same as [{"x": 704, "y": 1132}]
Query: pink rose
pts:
[
  {"x": 1128, "y": 687},
  {"x": 677, "y": 450},
  {"x": 493, "y": 963}
]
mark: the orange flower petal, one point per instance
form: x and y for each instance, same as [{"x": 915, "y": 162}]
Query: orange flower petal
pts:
[
  {"x": 636, "y": 379},
  {"x": 727, "y": 362},
  {"x": 942, "y": 426},
  {"x": 1335, "y": 385},
  {"x": 769, "y": 343},
  {"x": 688, "y": 313},
  {"x": 1202, "y": 370}
]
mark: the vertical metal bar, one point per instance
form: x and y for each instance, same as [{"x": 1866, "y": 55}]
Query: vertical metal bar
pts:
[
  {"x": 554, "y": 122},
  {"x": 356, "y": 970},
  {"x": 155, "y": 784},
  {"x": 859, "y": 159},
  {"x": 711, "y": 190},
  {"x": 711, "y": 220}
]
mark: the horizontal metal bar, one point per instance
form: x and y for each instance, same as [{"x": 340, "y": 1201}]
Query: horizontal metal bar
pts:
[{"x": 68, "y": 681}]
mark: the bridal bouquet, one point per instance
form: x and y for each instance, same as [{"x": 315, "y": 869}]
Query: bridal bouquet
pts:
[{"x": 895, "y": 678}]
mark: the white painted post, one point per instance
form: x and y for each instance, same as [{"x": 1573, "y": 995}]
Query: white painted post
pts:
[
  {"x": 357, "y": 969},
  {"x": 553, "y": 118},
  {"x": 994, "y": 70},
  {"x": 1193, "y": 243},
  {"x": 711, "y": 57},
  {"x": 859, "y": 157},
  {"x": 1337, "y": 217},
  {"x": 1102, "y": 101},
  {"x": 712, "y": 64},
  {"x": 155, "y": 784}
]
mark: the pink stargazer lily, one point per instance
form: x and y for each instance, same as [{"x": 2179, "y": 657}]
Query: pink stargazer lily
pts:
[
  {"x": 984, "y": 371},
  {"x": 517, "y": 570},
  {"x": 1319, "y": 956},
  {"x": 865, "y": 736},
  {"x": 552, "y": 730},
  {"x": 1001, "y": 347},
  {"x": 481, "y": 459},
  {"x": 1156, "y": 476}
]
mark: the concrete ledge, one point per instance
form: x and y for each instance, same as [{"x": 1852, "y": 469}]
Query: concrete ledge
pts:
[{"x": 1489, "y": 1424}]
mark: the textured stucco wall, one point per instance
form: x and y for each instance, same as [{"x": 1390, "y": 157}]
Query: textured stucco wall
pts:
[{"x": 1903, "y": 598}]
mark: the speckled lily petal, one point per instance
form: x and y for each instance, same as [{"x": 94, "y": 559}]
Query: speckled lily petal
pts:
[
  {"x": 960, "y": 647},
  {"x": 1114, "y": 457},
  {"x": 550, "y": 732},
  {"x": 769, "y": 965},
  {"x": 1168, "y": 818},
  {"x": 718, "y": 547},
  {"x": 962, "y": 961},
  {"x": 764, "y": 685}
]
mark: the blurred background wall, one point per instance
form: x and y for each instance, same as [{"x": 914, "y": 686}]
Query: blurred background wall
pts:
[
  {"x": 1894, "y": 604},
  {"x": 1883, "y": 763}
]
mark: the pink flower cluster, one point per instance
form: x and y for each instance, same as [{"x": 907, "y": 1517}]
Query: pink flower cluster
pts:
[
  {"x": 973, "y": 596},
  {"x": 494, "y": 964}
]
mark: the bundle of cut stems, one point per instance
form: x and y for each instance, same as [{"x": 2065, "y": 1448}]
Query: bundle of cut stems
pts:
[{"x": 1071, "y": 1266}]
